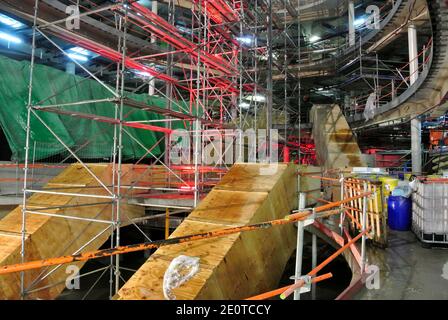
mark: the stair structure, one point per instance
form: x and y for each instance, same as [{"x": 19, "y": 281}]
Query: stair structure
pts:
[
  {"x": 50, "y": 236},
  {"x": 245, "y": 195},
  {"x": 336, "y": 146}
]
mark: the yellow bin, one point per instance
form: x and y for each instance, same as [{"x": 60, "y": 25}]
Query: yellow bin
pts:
[{"x": 388, "y": 185}]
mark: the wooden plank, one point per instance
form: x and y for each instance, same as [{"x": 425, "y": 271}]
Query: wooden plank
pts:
[
  {"x": 239, "y": 265},
  {"x": 53, "y": 236},
  {"x": 336, "y": 146}
]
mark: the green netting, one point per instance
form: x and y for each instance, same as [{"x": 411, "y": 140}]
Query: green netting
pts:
[{"x": 95, "y": 137}]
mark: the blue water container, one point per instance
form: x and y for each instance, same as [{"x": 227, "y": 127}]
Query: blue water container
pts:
[{"x": 399, "y": 210}]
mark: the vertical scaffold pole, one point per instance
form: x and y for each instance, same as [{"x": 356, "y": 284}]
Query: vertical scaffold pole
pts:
[
  {"x": 313, "y": 264},
  {"x": 363, "y": 228},
  {"x": 197, "y": 123},
  {"x": 117, "y": 193},
  {"x": 167, "y": 223},
  {"x": 342, "y": 216},
  {"x": 299, "y": 245},
  {"x": 27, "y": 149},
  {"x": 119, "y": 26}
]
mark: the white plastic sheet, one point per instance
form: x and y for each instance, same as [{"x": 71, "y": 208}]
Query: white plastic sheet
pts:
[
  {"x": 369, "y": 110},
  {"x": 180, "y": 270}
]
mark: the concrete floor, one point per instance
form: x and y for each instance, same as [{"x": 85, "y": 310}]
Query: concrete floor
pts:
[{"x": 408, "y": 271}]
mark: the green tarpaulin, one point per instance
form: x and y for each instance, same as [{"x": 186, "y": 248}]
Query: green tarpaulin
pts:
[{"x": 93, "y": 139}]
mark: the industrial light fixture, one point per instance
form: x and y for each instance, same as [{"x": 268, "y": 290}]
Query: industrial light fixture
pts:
[
  {"x": 244, "y": 105},
  {"x": 78, "y": 57},
  {"x": 314, "y": 38},
  {"x": 80, "y": 50},
  {"x": 10, "y": 38},
  {"x": 256, "y": 98},
  {"x": 80, "y": 54},
  {"x": 360, "y": 21},
  {"x": 247, "y": 40},
  {"x": 10, "y": 22},
  {"x": 142, "y": 73}
]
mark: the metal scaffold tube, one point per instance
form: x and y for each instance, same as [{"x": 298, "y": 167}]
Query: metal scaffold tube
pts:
[
  {"x": 318, "y": 212},
  {"x": 209, "y": 76},
  {"x": 27, "y": 147}
]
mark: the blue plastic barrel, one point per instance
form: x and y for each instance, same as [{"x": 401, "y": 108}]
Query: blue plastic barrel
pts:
[{"x": 399, "y": 210}]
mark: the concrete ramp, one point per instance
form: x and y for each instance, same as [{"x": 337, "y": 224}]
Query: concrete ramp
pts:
[
  {"x": 336, "y": 147},
  {"x": 235, "y": 266},
  {"x": 54, "y": 236}
]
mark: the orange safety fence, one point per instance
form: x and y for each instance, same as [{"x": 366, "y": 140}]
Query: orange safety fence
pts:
[
  {"x": 279, "y": 291},
  {"x": 297, "y": 216},
  {"x": 286, "y": 291}
]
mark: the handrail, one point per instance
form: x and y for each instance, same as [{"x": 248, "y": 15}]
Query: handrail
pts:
[
  {"x": 391, "y": 92},
  {"x": 313, "y": 272},
  {"x": 296, "y": 216},
  {"x": 287, "y": 290},
  {"x": 279, "y": 291}
]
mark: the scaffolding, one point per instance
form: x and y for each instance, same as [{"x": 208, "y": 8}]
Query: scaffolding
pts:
[
  {"x": 210, "y": 72},
  {"x": 209, "y": 62}
]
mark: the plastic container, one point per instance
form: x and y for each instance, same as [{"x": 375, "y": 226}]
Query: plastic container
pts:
[
  {"x": 388, "y": 185},
  {"x": 399, "y": 211}
]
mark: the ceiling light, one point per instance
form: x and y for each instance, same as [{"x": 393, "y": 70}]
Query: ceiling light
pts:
[
  {"x": 78, "y": 57},
  {"x": 247, "y": 40},
  {"x": 256, "y": 98},
  {"x": 244, "y": 105},
  {"x": 9, "y": 38},
  {"x": 359, "y": 22},
  {"x": 10, "y": 22},
  {"x": 314, "y": 38},
  {"x": 80, "y": 50},
  {"x": 143, "y": 74}
]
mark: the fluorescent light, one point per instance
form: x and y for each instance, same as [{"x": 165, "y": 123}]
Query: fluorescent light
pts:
[
  {"x": 256, "y": 98},
  {"x": 244, "y": 105},
  {"x": 80, "y": 50},
  {"x": 10, "y": 22},
  {"x": 184, "y": 29},
  {"x": 245, "y": 40},
  {"x": 314, "y": 38},
  {"x": 78, "y": 57},
  {"x": 10, "y": 38},
  {"x": 320, "y": 89},
  {"x": 143, "y": 73},
  {"x": 359, "y": 22}
]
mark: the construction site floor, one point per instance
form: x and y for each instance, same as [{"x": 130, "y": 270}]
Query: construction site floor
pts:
[{"x": 408, "y": 271}]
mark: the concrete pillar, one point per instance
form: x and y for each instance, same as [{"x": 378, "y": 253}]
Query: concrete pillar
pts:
[
  {"x": 351, "y": 23},
  {"x": 152, "y": 81},
  {"x": 413, "y": 53},
  {"x": 416, "y": 126},
  {"x": 416, "y": 145},
  {"x": 70, "y": 67}
]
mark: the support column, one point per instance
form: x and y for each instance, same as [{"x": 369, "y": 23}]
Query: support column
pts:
[
  {"x": 416, "y": 146},
  {"x": 351, "y": 23},
  {"x": 416, "y": 126},
  {"x": 152, "y": 81},
  {"x": 70, "y": 68},
  {"x": 269, "y": 87}
]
